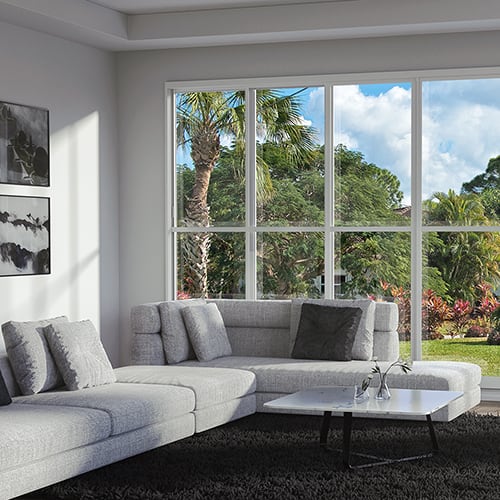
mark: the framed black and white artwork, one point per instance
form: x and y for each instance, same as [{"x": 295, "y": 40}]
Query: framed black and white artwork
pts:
[
  {"x": 24, "y": 235},
  {"x": 24, "y": 145}
]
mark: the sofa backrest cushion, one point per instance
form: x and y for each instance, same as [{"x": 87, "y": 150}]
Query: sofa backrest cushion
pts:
[
  {"x": 257, "y": 327},
  {"x": 362, "y": 348},
  {"x": 176, "y": 343},
  {"x": 29, "y": 354}
]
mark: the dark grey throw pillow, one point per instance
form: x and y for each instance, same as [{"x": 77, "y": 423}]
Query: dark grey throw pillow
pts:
[
  {"x": 5, "y": 398},
  {"x": 326, "y": 332}
]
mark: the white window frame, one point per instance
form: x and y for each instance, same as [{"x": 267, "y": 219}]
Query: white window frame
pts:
[{"x": 416, "y": 228}]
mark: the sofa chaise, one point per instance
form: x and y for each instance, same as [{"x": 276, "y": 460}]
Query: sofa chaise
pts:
[{"x": 56, "y": 434}]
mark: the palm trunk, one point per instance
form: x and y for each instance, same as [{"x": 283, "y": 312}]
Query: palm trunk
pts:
[{"x": 205, "y": 150}]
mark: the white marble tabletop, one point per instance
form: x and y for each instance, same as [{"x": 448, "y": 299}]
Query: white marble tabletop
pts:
[{"x": 341, "y": 399}]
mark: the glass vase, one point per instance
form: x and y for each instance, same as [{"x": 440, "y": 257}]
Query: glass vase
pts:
[{"x": 383, "y": 391}]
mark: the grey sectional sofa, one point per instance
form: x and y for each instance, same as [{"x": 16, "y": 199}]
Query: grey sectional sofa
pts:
[
  {"x": 54, "y": 435},
  {"x": 262, "y": 335}
]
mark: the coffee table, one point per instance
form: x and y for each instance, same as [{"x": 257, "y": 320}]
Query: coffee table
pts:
[{"x": 403, "y": 403}]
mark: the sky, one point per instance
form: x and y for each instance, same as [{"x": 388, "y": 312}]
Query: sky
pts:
[
  {"x": 460, "y": 128},
  {"x": 460, "y": 125}
]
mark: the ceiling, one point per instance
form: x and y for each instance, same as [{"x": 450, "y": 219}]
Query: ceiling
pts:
[
  {"x": 155, "y": 6},
  {"x": 121, "y": 25}
]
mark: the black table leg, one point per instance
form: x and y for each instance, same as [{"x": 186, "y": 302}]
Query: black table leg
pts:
[
  {"x": 325, "y": 427},
  {"x": 346, "y": 440},
  {"x": 374, "y": 459},
  {"x": 435, "y": 446}
]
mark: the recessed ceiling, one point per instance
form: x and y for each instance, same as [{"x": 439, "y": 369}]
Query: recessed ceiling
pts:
[
  {"x": 152, "y": 6},
  {"x": 165, "y": 24}
]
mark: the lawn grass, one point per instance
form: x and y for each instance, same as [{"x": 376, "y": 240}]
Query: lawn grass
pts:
[{"x": 472, "y": 350}]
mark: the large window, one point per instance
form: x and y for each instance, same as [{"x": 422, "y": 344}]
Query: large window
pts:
[{"x": 337, "y": 187}]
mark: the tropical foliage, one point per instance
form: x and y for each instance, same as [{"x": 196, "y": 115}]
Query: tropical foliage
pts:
[{"x": 461, "y": 268}]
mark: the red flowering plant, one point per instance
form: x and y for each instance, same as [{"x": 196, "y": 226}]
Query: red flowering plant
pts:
[
  {"x": 435, "y": 311},
  {"x": 494, "y": 335},
  {"x": 460, "y": 316}
]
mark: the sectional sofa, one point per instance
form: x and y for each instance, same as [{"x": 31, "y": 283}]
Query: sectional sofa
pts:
[{"x": 56, "y": 434}]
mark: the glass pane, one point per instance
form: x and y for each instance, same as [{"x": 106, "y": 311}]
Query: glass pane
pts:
[
  {"x": 290, "y": 265},
  {"x": 210, "y": 158},
  {"x": 461, "y": 287},
  {"x": 224, "y": 262},
  {"x": 372, "y": 136},
  {"x": 460, "y": 152},
  {"x": 378, "y": 266},
  {"x": 290, "y": 157}
]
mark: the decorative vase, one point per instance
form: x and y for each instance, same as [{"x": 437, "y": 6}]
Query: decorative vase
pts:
[{"x": 383, "y": 390}]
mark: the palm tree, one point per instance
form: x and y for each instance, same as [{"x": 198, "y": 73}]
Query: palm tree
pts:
[
  {"x": 202, "y": 119},
  {"x": 464, "y": 258}
]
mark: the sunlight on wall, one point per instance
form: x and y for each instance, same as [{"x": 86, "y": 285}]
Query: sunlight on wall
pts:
[{"x": 72, "y": 288}]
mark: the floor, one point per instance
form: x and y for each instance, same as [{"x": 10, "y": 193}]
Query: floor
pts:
[{"x": 488, "y": 408}]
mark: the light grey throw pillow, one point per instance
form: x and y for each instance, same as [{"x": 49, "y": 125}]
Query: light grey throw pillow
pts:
[
  {"x": 29, "y": 355},
  {"x": 174, "y": 335},
  {"x": 79, "y": 354},
  {"x": 362, "y": 348},
  {"x": 206, "y": 331}
]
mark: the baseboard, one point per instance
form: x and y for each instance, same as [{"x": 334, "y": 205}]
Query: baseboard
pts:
[{"x": 490, "y": 394}]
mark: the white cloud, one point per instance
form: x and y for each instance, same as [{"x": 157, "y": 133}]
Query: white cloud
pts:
[
  {"x": 460, "y": 132},
  {"x": 305, "y": 121},
  {"x": 379, "y": 126}
]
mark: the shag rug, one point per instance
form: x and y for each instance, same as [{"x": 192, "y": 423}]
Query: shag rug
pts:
[{"x": 278, "y": 457}]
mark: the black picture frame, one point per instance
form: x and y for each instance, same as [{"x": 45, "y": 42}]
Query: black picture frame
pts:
[
  {"x": 24, "y": 145},
  {"x": 24, "y": 235}
]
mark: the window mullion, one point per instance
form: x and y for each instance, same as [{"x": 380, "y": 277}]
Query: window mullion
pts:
[
  {"x": 250, "y": 195},
  {"x": 170, "y": 198},
  {"x": 329, "y": 195},
  {"x": 416, "y": 221}
]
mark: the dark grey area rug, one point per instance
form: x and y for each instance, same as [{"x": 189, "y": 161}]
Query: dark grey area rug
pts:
[{"x": 278, "y": 457}]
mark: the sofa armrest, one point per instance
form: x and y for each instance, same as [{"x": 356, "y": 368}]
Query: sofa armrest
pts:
[
  {"x": 386, "y": 345},
  {"x": 147, "y": 345}
]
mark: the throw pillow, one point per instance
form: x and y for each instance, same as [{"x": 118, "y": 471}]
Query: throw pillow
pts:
[
  {"x": 206, "y": 331},
  {"x": 362, "y": 348},
  {"x": 174, "y": 335},
  {"x": 5, "y": 398},
  {"x": 79, "y": 354},
  {"x": 326, "y": 332},
  {"x": 29, "y": 355}
]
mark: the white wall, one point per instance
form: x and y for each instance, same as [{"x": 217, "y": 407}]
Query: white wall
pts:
[
  {"x": 141, "y": 78},
  {"x": 77, "y": 84}
]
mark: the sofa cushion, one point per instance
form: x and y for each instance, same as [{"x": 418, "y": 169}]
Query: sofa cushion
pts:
[
  {"x": 206, "y": 331},
  {"x": 175, "y": 337},
  {"x": 32, "y": 433},
  {"x": 211, "y": 386},
  {"x": 363, "y": 341},
  {"x": 129, "y": 406},
  {"x": 29, "y": 355},
  {"x": 326, "y": 332},
  {"x": 79, "y": 354},
  {"x": 5, "y": 398},
  {"x": 285, "y": 375}
]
